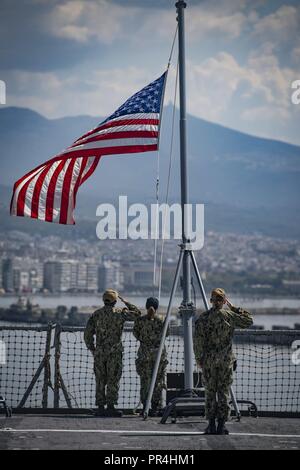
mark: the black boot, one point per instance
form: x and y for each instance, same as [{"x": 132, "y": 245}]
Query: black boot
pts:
[
  {"x": 143, "y": 410},
  {"x": 221, "y": 427},
  {"x": 112, "y": 412},
  {"x": 211, "y": 428},
  {"x": 153, "y": 412},
  {"x": 100, "y": 411}
]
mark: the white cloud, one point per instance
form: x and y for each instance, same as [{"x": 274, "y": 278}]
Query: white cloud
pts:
[
  {"x": 238, "y": 88},
  {"x": 206, "y": 18},
  {"x": 279, "y": 26},
  {"x": 207, "y": 22},
  {"x": 295, "y": 56},
  {"x": 105, "y": 21},
  {"x": 81, "y": 20},
  {"x": 219, "y": 89},
  {"x": 272, "y": 77},
  {"x": 211, "y": 85},
  {"x": 254, "y": 97},
  {"x": 98, "y": 94}
]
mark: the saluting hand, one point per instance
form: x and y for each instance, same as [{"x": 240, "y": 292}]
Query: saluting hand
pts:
[
  {"x": 230, "y": 305},
  {"x": 121, "y": 298}
]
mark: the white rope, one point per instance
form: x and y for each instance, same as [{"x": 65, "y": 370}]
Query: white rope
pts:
[
  {"x": 156, "y": 224},
  {"x": 157, "y": 187},
  {"x": 168, "y": 182}
]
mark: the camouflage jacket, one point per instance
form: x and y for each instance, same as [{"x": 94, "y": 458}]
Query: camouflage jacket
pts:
[
  {"x": 214, "y": 331},
  {"x": 148, "y": 331},
  {"x": 107, "y": 324}
]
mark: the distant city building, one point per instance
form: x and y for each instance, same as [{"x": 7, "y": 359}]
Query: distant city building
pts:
[
  {"x": 52, "y": 276},
  {"x": 8, "y": 275},
  {"x": 92, "y": 277},
  {"x": 28, "y": 276},
  {"x": 36, "y": 274},
  {"x": 87, "y": 277},
  {"x": 21, "y": 275},
  {"x": 139, "y": 274},
  {"x": 21, "y": 280},
  {"x": 70, "y": 276},
  {"x": 110, "y": 275},
  {"x": 241, "y": 263}
]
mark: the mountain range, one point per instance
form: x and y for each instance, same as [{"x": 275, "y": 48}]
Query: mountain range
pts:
[{"x": 246, "y": 183}]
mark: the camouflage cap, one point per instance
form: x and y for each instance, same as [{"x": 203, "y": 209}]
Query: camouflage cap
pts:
[
  {"x": 218, "y": 291},
  {"x": 110, "y": 295}
]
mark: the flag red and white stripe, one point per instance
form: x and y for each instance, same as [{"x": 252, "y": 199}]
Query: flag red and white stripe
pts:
[{"x": 49, "y": 191}]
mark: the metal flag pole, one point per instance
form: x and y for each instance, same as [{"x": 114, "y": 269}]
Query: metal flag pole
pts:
[
  {"x": 189, "y": 399},
  {"x": 186, "y": 305}
]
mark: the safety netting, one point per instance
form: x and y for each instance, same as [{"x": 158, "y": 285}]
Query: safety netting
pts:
[{"x": 40, "y": 367}]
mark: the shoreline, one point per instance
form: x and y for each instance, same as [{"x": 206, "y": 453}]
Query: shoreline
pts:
[
  {"x": 87, "y": 300},
  {"x": 287, "y": 318},
  {"x": 239, "y": 295}
]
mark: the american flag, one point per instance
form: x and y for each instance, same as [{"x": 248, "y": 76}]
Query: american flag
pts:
[{"x": 49, "y": 191}]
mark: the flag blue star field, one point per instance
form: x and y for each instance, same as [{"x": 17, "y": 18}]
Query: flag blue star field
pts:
[{"x": 49, "y": 191}]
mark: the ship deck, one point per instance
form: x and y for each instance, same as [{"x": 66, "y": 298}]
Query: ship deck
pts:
[{"x": 55, "y": 432}]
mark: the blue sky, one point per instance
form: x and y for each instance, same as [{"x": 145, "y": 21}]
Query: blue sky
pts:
[{"x": 73, "y": 57}]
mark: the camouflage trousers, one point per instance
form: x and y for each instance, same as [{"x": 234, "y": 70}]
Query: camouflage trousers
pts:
[
  {"x": 108, "y": 372},
  {"x": 217, "y": 378},
  {"x": 145, "y": 363}
]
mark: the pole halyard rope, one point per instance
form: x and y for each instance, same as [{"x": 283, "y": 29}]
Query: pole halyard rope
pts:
[
  {"x": 157, "y": 191},
  {"x": 168, "y": 181}
]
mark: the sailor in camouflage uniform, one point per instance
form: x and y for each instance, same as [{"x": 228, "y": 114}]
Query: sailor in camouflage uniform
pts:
[
  {"x": 214, "y": 331},
  {"x": 107, "y": 325},
  {"x": 148, "y": 330}
]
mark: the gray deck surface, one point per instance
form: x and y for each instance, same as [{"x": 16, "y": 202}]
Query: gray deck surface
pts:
[{"x": 131, "y": 432}]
